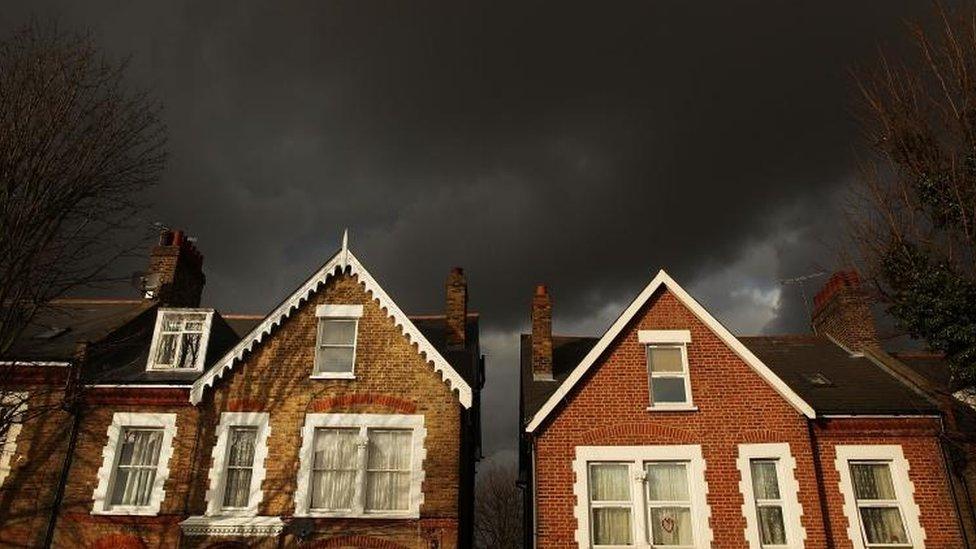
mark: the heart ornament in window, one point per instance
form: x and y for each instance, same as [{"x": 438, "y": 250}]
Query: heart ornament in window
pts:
[{"x": 667, "y": 523}]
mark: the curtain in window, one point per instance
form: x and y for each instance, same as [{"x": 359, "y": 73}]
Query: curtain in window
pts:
[
  {"x": 765, "y": 484},
  {"x": 388, "y": 470},
  {"x": 769, "y": 508},
  {"x": 872, "y": 481},
  {"x": 609, "y": 485},
  {"x": 667, "y": 483},
  {"x": 883, "y": 525},
  {"x": 136, "y": 468},
  {"x": 240, "y": 463},
  {"x": 882, "y": 521},
  {"x": 334, "y": 468}
]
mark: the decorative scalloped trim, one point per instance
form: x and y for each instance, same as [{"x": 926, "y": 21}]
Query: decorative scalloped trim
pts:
[{"x": 342, "y": 261}]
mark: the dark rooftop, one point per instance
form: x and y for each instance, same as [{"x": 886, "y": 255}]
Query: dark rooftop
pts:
[
  {"x": 55, "y": 332},
  {"x": 824, "y": 375}
]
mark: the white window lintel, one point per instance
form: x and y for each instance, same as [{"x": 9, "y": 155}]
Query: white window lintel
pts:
[
  {"x": 675, "y": 337},
  {"x": 339, "y": 311}
]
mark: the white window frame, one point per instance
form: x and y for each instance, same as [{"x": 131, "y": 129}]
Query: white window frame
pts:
[
  {"x": 789, "y": 490},
  {"x": 218, "y": 468},
  {"x": 904, "y": 490},
  {"x": 636, "y": 457},
  {"x": 204, "y": 339},
  {"x": 363, "y": 422},
  {"x": 9, "y": 448},
  {"x": 110, "y": 456},
  {"x": 667, "y": 339},
  {"x": 337, "y": 312}
]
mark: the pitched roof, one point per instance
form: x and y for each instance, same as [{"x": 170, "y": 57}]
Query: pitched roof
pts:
[
  {"x": 54, "y": 333},
  {"x": 662, "y": 280},
  {"x": 847, "y": 384},
  {"x": 343, "y": 261},
  {"x": 567, "y": 352}
]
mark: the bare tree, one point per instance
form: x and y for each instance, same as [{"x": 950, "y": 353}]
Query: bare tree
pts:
[
  {"x": 77, "y": 150},
  {"x": 913, "y": 215},
  {"x": 498, "y": 509}
]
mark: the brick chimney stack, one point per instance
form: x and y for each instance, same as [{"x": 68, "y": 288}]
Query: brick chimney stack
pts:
[
  {"x": 842, "y": 310},
  {"x": 541, "y": 334},
  {"x": 457, "y": 308},
  {"x": 175, "y": 274}
]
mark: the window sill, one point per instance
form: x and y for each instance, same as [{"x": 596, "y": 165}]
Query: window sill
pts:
[
  {"x": 374, "y": 515},
  {"x": 679, "y": 408},
  {"x": 148, "y": 511},
  {"x": 337, "y": 375},
  {"x": 232, "y": 526}
]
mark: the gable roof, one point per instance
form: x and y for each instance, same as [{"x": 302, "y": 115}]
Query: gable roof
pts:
[
  {"x": 343, "y": 261},
  {"x": 663, "y": 280}
]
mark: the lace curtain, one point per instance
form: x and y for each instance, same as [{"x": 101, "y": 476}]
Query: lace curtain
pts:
[
  {"x": 769, "y": 508},
  {"x": 387, "y": 472},
  {"x": 609, "y": 485},
  {"x": 334, "y": 468},
  {"x": 669, "y": 504},
  {"x": 240, "y": 463},
  {"x": 882, "y": 521},
  {"x": 136, "y": 469}
]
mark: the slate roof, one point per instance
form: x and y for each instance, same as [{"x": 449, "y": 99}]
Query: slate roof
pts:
[
  {"x": 857, "y": 386},
  {"x": 55, "y": 332},
  {"x": 465, "y": 361}
]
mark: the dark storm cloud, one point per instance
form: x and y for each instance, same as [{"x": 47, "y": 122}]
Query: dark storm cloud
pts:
[{"x": 581, "y": 145}]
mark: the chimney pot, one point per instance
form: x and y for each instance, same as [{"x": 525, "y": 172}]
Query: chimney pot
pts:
[{"x": 541, "y": 334}]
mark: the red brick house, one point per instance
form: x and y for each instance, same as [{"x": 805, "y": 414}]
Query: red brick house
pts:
[
  {"x": 669, "y": 431},
  {"x": 336, "y": 420}
]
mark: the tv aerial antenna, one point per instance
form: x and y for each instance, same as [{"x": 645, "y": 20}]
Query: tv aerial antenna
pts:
[{"x": 801, "y": 281}]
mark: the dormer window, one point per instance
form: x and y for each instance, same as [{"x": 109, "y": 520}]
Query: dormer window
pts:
[
  {"x": 335, "y": 342},
  {"x": 180, "y": 339},
  {"x": 667, "y": 368}
]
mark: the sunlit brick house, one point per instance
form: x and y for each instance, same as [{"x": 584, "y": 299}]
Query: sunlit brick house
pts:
[
  {"x": 336, "y": 420},
  {"x": 669, "y": 431}
]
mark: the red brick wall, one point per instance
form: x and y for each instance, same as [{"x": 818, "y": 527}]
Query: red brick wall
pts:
[
  {"x": 918, "y": 439},
  {"x": 735, "y": 405}
]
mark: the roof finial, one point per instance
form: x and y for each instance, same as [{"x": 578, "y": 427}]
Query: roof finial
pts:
[{"x": 345, "y": 248}]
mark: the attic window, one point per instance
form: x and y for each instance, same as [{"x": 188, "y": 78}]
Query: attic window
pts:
[
  {"x": 180, "y": 339},
  {"x": 335, "y": 345},
  {"x": 818, "y": 380}
]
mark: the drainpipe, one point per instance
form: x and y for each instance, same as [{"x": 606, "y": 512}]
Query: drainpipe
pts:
[
  {"x": 952, "y": 485},
  {"x": 72, "y": 404},
  {"x": 821, "y": 491}
]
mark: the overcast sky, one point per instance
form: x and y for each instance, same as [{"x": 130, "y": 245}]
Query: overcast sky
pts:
[{"x": 584, "y": 146}]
